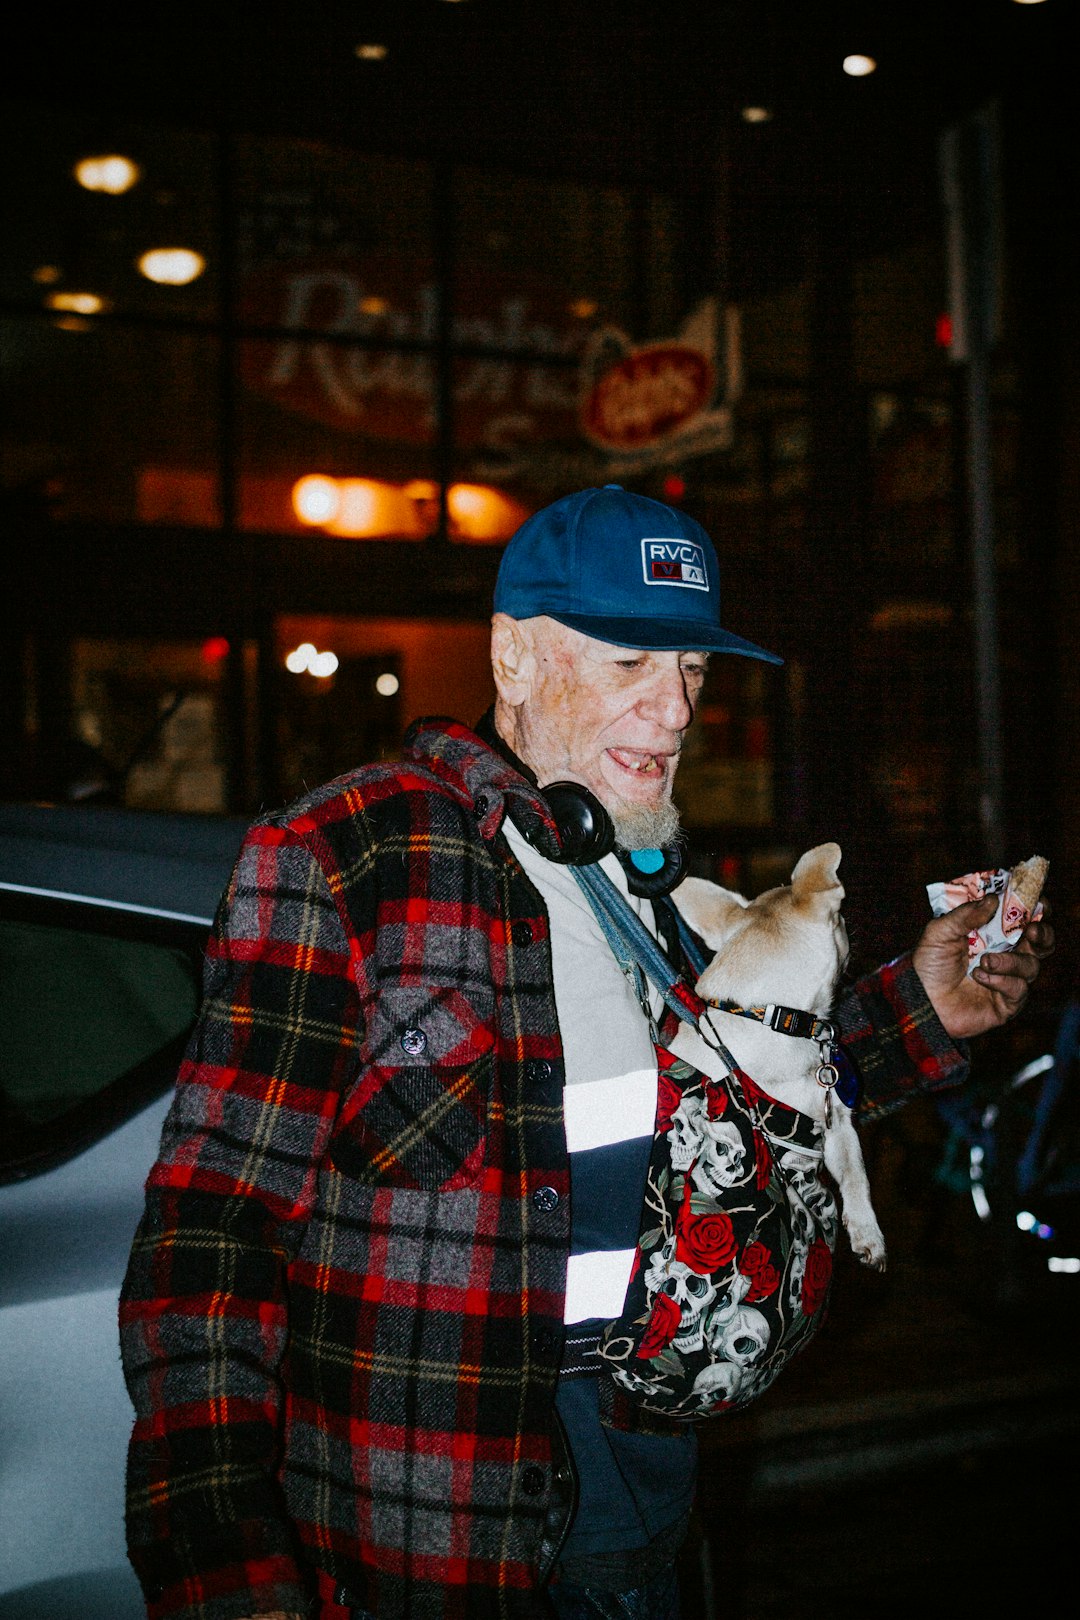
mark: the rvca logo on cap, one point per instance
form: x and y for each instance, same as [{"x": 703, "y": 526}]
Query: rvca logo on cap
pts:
[{"x": 674, "y": 562}]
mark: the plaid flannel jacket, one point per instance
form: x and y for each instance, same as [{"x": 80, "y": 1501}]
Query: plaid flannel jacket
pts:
[{"x": 342, "y": 1319}]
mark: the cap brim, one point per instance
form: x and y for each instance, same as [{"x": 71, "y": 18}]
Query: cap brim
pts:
[{"x": 664, "y": 635}]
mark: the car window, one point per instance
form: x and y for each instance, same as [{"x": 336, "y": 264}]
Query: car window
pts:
[{"x": 78, "y": 1010}]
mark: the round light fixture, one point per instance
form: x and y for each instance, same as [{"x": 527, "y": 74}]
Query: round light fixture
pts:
[
  {"x": 371, "y": 53},
  {"x": 171, "y": 266},
  {"x": 297, "y": 661},
  {"x": 111, "y": 173},
  {"x": 76, "y": 303},
  {"x": 857, "y": 67},
  {"x": 316, "y": 499},
  {"x": 756, "y": 115},
  {"x": 387, "y": 683}
]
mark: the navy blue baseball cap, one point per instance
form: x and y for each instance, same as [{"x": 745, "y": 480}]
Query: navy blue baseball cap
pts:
[{"x": 620, "y": 568}]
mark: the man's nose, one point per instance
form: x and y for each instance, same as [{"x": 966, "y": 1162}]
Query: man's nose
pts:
[{"x": 667, "y": 703}]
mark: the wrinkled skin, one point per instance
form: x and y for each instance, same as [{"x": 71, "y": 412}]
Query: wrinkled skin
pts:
[
  {"x": 612, "y": 718},
  {"x": 999, "y": 986}
]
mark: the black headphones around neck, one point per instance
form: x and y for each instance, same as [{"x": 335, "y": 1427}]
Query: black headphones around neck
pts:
[
  {"x": 586, "y": 831},
  {"x": 587, "y": 834}
]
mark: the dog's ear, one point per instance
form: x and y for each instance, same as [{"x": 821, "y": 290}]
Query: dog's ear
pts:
[
  {"x": 710, "y": 910},
  {"x": 815, "y": 875}
]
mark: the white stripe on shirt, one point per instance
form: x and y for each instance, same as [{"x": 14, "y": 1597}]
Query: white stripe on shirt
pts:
[
  {"x": 596, "y": 1284},
  {"x": 600, "y": 1113}
]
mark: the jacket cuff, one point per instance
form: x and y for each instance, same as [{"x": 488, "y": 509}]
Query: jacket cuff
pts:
[
  {"x": 896, "y": 1041},
  {"x": 216, "y": 1584}
]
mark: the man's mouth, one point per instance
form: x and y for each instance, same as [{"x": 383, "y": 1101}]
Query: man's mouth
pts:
[{"x": 641, "y": 764}]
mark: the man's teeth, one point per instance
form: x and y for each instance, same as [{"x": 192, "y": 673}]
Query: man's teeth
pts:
[{"x": 648, "y": 765}]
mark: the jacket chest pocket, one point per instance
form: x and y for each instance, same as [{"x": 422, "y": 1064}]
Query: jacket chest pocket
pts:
[{"x": 418, "y": 1113}]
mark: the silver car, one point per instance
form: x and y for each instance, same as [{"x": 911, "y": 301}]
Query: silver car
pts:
[{"x": 103, "y": 917}]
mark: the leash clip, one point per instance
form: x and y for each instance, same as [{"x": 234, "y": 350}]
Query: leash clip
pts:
[{"x": 827, "y": 1073}]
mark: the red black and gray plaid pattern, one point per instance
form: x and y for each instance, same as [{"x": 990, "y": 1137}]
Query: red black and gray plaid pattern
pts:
[{"x": 342, "y": 1319}]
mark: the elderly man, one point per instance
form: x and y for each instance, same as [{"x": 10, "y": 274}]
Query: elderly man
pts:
[{"x": 358, "y": 1307}]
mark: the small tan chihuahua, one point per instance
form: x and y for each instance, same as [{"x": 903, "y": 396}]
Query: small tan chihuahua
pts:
[{"x": 786, "y": 948}]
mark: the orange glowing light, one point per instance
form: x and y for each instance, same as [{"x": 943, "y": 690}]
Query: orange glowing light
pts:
[
  {"x": 76, "y": 303},
  {"x": 373, "y": 509},
  {"x": 316, "y": 499},
  {"x": 171, "y": 266},
  {"x": 111, "y": 173}
]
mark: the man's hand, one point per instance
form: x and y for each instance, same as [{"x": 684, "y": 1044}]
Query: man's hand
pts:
[{"x": 999, "y": 986}]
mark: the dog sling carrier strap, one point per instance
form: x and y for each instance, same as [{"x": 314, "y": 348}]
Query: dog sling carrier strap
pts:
[{"x": 734, "y": 1259}]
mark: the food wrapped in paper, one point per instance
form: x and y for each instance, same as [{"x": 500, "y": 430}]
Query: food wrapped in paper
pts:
[{"x": 1018, "y": 894}]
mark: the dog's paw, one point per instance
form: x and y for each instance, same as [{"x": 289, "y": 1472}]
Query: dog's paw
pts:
[{"x": 868, "y": 1244}]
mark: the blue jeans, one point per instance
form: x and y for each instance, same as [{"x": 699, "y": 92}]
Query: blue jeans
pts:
[{"x": 658, "y": 1599}]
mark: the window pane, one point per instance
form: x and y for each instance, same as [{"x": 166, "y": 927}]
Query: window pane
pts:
[
  {"x": 388, "y": 673},
  {"x": 359, "y": 421},
  {"x": 66, "y": 242},
  {"x": 333, "y": 240},
  {"x": 725, "y": 777},
  {"x": 79, "y": 1011},
  {"x": 152, "y": 715},
  {"x": 108, "y": 422}
]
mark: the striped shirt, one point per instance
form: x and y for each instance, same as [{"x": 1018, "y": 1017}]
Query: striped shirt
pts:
[
  {"x": 609, "y": 1101},
  {"x": 631, "y": 1488}
]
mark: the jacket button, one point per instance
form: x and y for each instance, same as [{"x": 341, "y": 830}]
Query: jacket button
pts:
[
  {"x": 546, "y": 1199},
  {"x": 538, "y": 1069},
  {"x": 532, "y": 1480},
  {"x": 481, "y": 806},
  {"x": 521, "y": 934},
  {"x": 413, "y": 1041}
]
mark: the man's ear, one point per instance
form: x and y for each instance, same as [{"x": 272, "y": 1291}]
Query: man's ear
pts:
[{"x": 513, "y": 662}]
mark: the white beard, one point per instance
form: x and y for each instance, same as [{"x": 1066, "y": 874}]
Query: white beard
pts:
[{"x": 641, "y": 826}]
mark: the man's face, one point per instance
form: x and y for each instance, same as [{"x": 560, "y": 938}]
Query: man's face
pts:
[{"x": 612, "y": 718}]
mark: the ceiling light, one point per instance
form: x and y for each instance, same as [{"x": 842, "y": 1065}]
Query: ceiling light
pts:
[
  {"x": 316, "y": 499},
  {"x": 857, "y": 67},
  {"x": 78, "y": 303},
  {"x": 172, "y": 266},
  {"x": 300, "y": 658},
  {"x": 111, "y": 173},
  {"x": 387, "y": 683},
  {"x": 371, "y": 53},
  {"x": 756, "y": 115}
]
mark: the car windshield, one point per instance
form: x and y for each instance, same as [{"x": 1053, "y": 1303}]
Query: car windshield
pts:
[{"x": 81, "y": 1010}]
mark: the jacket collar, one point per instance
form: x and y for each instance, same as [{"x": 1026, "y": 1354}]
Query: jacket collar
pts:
[{"x": 490, "y": 779}]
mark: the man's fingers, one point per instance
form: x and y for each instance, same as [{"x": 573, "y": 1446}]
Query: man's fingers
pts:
[{"x": 1015, "y": 965}]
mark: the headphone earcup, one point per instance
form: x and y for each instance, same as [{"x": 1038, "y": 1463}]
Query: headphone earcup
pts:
[
  {"x": 653, "y": 878},
  {"x": 586, "y": 831}
]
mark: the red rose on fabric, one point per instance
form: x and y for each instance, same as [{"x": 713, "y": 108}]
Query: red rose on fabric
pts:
[
  {"x": 755, "y": 1262},
  {"x": 703, "y": 1242},
  {"x": 715, "y": 1099},
  {"x": 816, "y": 1277},
  {"x": 762, "y": 1161},
  {"x": 662, "y": 1328},
  {"x": 668, "y": 1098}
]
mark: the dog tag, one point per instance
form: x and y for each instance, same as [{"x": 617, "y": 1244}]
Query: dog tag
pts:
[{"x": 848, "y": 1086}]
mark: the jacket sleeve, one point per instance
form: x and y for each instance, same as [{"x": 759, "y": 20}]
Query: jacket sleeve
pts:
[
  {"x": 203, "y": 1304},
  {"x": 896, "y": 1041}
]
